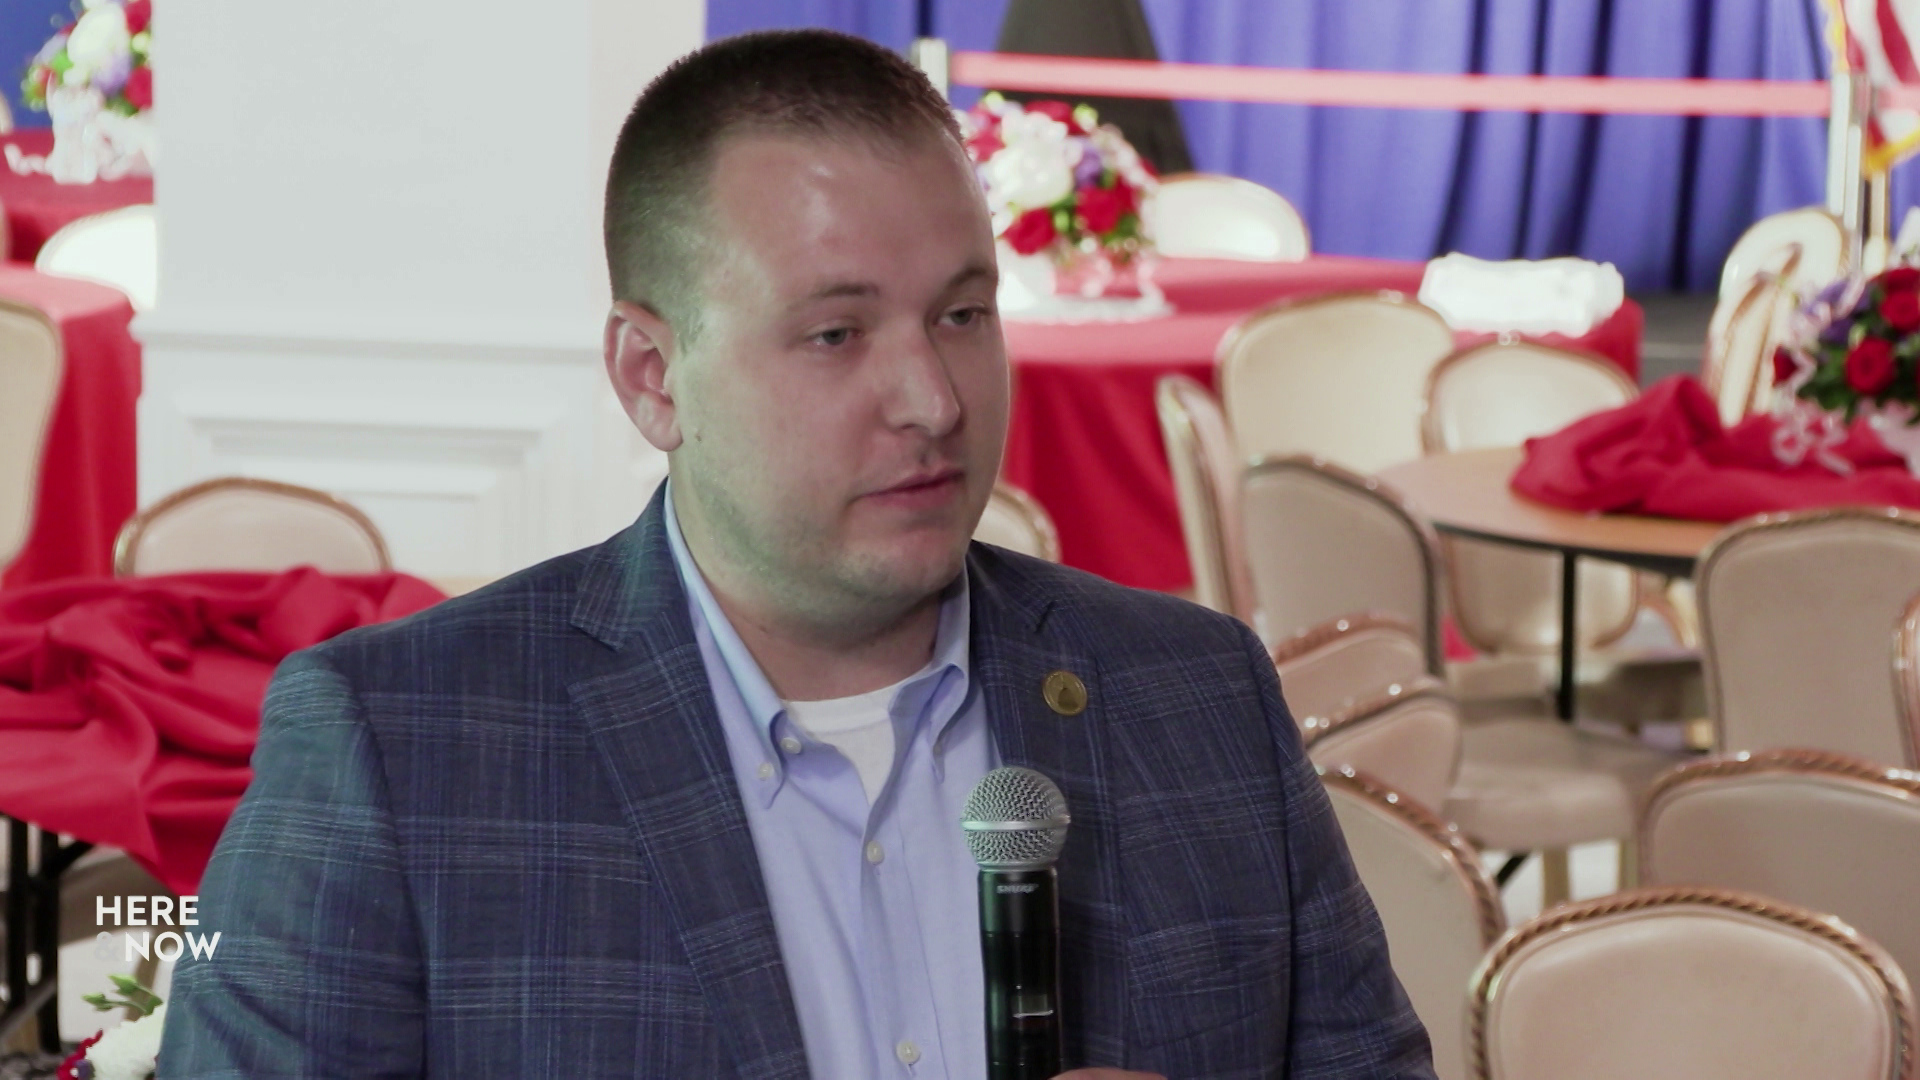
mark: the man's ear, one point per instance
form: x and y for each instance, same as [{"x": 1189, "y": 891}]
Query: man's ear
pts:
[{"x": 639, "y": 345}]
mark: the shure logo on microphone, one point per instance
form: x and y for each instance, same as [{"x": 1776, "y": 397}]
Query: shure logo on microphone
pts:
[{"x": 1004, "y": 889}]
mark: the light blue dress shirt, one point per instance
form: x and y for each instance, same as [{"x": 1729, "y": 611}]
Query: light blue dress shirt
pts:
[{"x": 875, "y": 907}]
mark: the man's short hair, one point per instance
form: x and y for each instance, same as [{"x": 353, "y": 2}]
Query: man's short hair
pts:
[{"x": 781, "y": 82}]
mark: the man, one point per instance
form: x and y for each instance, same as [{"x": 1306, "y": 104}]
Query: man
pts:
[{"x": 686, "y": 805}]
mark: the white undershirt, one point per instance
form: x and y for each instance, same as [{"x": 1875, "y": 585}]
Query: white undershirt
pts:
[{"x": 859, "y": 727}]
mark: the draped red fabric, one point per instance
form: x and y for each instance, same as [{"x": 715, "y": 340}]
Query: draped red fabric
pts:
[
  {"x": 129, "y": 707},
  {"x": 1667, "y": 455}
]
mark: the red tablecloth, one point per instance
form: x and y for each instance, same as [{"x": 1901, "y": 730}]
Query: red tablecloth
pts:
[
  {"x": 87, "y": 472},
  {"x": 1667, "y": 455},
  {"x": 37, "y": 207},
  {"x": 129, "y": 708},
  {"x": 1084, "y": 438}
]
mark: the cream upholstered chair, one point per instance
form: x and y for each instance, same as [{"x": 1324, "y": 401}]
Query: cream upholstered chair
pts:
[
  {"x": 1741, "y": 337},
  {"x": 1825, "y": 831},
  {"x": 239, "y": 523},
  {"x": 1203, "y": 215},
  {"x": 1328, "y": 669},
  {"x": 1507, "y": 600},
  {"x": 1797, "y": 613},
  {"x": 1342, "y": 376},
  {"x": 1016, "y": 521},
  {"x": 1440, "y": 910},
  {"x": 1689, "y": 984},
  {"x": 1906, "y": 673},
  {"x": 31, "y": 365},
  {"x": 1206, "y": 482},
  {"x": 120, "y": 248},
  {"x": 1408, "y": 737},
  {"x": 1813, "y": 232}
]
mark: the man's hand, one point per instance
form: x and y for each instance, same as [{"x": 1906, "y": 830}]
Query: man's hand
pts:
[{"x": 1107, "y": 1074}]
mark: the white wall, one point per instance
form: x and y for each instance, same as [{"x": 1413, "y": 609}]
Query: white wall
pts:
[{"x": 381, "y": 270}]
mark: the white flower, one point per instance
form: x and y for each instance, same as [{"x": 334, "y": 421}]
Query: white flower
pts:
[
  {"x": 127, "y": 1052},
  {"x": 1030, "y": 176},
  {"x": 100, "y": 36}
]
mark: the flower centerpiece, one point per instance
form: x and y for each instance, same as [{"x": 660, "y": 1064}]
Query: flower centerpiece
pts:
[
  {"x": 1852, "y": 353},
  {"x": 128, "y": 1050},
  {"x": 1065, "y": 192},
  {"x": 95, "y": 78}
]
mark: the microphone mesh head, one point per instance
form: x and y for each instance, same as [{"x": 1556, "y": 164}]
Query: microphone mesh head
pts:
[{"x": 1015, "y": 819}]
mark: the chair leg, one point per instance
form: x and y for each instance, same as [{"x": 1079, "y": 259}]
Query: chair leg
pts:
[{"x": 1556, "y": 878}]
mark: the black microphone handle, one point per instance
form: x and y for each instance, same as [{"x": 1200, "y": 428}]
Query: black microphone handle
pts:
[{"x": 1020, "y": 947}]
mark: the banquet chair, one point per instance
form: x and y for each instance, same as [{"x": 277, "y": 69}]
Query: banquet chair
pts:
[
  {"x": 31, "y": 365},
  {"x": 119, "y": 248},
  {"x": 1824, "y": 831},
  {"x": 1817, "y": 234},
  {"x": 1741, "y": 337},
  {"x": 1798, "y": 612},
  {"x": 1439, "y": 909},
  {"x": 1341, "y": 376},
  {"x": 1208, "y": 216},
  {"x": 1323, "y": 542},
  {"x": 1016, "y": 521},
  {"x": 1906, "y": 673},
  {"x": 1329, "y": 668},
  {"x": 240, "y": 523},
  {"x": 1206, "y": 483},
  {"x": 1408, "y": 737},
  {"x": 1689, "y": 984}
]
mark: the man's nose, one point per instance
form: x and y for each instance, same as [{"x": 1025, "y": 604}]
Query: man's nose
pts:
[{"x": 922, "y": 394}]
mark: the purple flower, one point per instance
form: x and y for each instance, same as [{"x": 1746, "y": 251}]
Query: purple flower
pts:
[
  {"x": 1831, "y": 295},
  {"x": 1087, "y": 172},
  {"x": 109, "y": 77},
  {"x": 1836, "y": 332}
]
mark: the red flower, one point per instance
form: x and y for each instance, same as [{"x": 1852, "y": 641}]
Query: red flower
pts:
[
  {"x": 1901, "y": 309},
  {"x": 1057, "y": 110},
  {"x": 139, "y": 88},
  {"x": 1102, "y": 208},
  {"x": 1782, "y": 365},
  {"x": 139, "y": 15},
  {"x": 1870, "y": 366},
  {"x": 1901, "y": 279},
  {"x": 47, "y": 78},
  {"x": 1031, "y": 231},
  {"x": 984, "y": 145},
  {"x": 67, "y": 1067}
]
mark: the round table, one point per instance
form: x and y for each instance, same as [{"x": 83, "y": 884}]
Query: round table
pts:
[
  {"x": 1467, "y": 494},
  {"x": 36, "y": 207}
]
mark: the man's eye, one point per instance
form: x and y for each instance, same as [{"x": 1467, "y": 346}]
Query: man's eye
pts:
[
  {"x": 834, "y": 338},
  {"x": 967, "y": 316}
]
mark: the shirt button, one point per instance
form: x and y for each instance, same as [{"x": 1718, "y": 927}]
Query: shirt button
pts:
[
  {"x": 907, "y": 1052},
  {"x": 790, "y": 744},
  {"x": 875, "y": 853},
  {"x": 766, "y": 770}
]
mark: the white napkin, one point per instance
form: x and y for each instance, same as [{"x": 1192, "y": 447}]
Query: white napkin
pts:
[{"x": 1553, "y": 296}]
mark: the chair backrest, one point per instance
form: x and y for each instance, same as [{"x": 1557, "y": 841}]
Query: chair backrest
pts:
[
  {"x": 1817, "y": 234},
  {"x": 31, "y": 365},
  {"x": 1342, "y": 376},
  {"x": 1797, "y": 618},
  {"x": 1440, "y": 910},
  {"x": 1824, "y": 831},
  {"x": 1204, "y": 215},
  {"x": 1408, "y": 737},
  {"x": 1329, "y": 668},
  {"x": 1906, "y": 673},
  {"x": 120, "y": 248},
  {"x": 1506, "y": 600},
  {"x": 1016, "y": 521},
  {"x": 1741, "y": 337},
  {"x": 239, "y": 523},
  {"x": 1689, "y": 984},
  {"x": 1206, "y": 482},
  {"x": 1323, "y": 543}
]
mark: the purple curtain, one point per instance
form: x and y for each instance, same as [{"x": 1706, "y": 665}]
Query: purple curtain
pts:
[{"x": 1661, "y": 198}]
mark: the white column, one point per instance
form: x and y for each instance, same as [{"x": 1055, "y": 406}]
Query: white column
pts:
[{"x": 381, "y": 269}]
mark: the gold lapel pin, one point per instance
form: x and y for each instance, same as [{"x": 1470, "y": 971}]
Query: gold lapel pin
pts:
[{"x": 1065, "y": 693}]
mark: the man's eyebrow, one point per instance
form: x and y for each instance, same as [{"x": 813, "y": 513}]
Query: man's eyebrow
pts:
[
  {"x": 833, "y": 290},
  {"x": 972, "y": 272}
]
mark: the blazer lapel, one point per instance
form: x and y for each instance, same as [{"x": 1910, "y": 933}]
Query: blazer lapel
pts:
[
  {"x": 1016, "y": 646},
  {"x": 650, "y": 715}
]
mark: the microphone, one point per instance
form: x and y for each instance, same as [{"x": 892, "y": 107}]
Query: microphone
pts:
[{"x": 1016, "y": 822}]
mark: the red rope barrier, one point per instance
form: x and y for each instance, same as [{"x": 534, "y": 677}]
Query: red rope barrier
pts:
[{"x": 1467, "y": 93}]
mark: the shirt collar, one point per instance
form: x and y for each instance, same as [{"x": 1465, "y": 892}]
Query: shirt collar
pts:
[{"x": 949, "y": 667}]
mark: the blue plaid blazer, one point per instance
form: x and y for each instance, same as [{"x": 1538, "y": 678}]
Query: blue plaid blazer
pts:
[{"x": 502, "y": 838}]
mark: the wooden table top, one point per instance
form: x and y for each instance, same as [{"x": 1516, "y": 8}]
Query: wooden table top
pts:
[{"x": 1466, "y": 494}]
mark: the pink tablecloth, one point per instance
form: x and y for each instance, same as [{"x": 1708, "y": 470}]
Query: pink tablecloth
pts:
[
  {"x": 87, "y": 480},
  {"x": 36, "y": 206},
  {"x": 1084, "y": 439}
]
